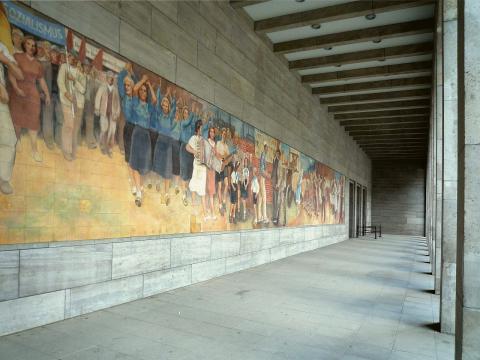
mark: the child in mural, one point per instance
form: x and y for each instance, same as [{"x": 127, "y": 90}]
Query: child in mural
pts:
[
  {"x": 263, "y": 190},
  {"x": 198, "y": 181},
  {"x": 234, "y": 184},
  {"x": 8, "y": 138},
  {"x": 24, "y": 96},
  {"x": 282, "y": 191},
  {"x": 107, "y": 106},
  {"x": 143, "y": 107},
  {"x": 239, "y": 157},
  {"x": 187, "y": 130},
  {"x": 222, "y": 177},
  {"x": 255, "y": 191},
  {"x": 162, "y": 124},
  {"x": 245, "y": 181},
  {"x": 210, "y": 189}
]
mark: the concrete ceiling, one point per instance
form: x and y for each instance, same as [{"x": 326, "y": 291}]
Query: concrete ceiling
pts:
[{"x": 373, "y": 74}]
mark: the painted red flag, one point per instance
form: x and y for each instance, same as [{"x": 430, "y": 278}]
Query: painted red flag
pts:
[
  {"x": 69, "y": 40},
  {"x": 98, "y": 61},
  {"x": 82, "y": 52}
]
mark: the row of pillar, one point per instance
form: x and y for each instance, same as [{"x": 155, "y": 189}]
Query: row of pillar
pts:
[{"x": 453, "y": 173}]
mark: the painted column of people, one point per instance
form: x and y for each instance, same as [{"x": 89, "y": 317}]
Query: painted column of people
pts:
[{"x": 93, "y": 146}]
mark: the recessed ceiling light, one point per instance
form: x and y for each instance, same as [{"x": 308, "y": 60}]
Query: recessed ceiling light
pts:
[
  {"x": 316, "y": 26},
  {"x": 328, "y": 48},
  {"x": 370, "y": 16},
  {"x": 377, "y": 41}
]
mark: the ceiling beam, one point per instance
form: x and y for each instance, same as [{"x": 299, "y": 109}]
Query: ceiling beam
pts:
[
  {"x": 381, "y": 96},
  {"x": 383, "y": 113},
  {"x": 372, "y": 85},
  {"x": 394, "y": 146},
  {"x": 370, "y": 139},
  {"x": 393, "y": 136},
  {"x": 398, "y": 157},
  {"x": 394, "y": 52},
  {"x": 332, "y": 13},
  {"x": 380, "y": 105},
  {"x": 398, "y": 142},
  {"x": 237, "y": 4},
  {"x": 390, "y": 140},
  {"x": 352, "y": 129},
  {"x": 373, "y": 132},
  {"x": 379, "y": 133},
  {"x": 424, "y": 26},
  {"x": 391, "y": 144},
  {"x": 384, "y": 121},
  {"x": 386, "y": 152},
  {"x": 355, "y": 74},
  {"x": 398, "y": 153}
]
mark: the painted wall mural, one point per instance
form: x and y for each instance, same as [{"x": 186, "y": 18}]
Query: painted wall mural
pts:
[{"x": 93, "y": 146}]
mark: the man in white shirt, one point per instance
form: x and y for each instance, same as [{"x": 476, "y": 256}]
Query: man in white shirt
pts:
[
  {"x": 8, "y": 139},
  {"x": 66, "y": 88}
]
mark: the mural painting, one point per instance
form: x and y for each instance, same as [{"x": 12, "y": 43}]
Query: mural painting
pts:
[{"x": 93, "y": 146}]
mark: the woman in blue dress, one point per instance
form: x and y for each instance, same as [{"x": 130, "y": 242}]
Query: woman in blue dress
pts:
[
  {"x": 187, "y": 130},
  {"x": 126, "y": 83},
  {"x": 140, "y": 159},
  {"x": 162, "y": 123}
]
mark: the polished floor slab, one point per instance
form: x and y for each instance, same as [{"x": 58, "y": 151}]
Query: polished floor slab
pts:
[{"x": 359, "y": 299}]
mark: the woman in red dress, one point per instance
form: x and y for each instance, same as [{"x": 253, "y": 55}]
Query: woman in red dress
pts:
[{"x": 25, "y": 98}]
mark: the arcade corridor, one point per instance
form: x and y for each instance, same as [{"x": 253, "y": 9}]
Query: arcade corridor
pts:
[{"x": 358, "y": 299}]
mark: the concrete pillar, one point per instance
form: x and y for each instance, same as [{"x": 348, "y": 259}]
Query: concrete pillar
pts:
[
  {"x": 438, "y": 171},
  {"x": 429, "y": 191},
  {"x": 450, "y": 167},
  {"x": 468, "y": 250}
]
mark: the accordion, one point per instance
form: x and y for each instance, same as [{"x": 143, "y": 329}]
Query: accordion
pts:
[{"x": 206, "y": 155}]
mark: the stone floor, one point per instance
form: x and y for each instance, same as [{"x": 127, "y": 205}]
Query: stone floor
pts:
[{"x": 359, "y": 299}]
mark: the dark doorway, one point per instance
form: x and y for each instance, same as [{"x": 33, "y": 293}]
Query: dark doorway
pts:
[
  {"x": 351, "y": 210},
  {"x": 364, "y": 203},
  {"x": 358, "y": 209}
]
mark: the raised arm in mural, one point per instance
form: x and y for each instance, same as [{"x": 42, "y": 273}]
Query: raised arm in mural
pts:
[
  {"x": 143, "y": 108},
  {"x": 163, "y": 125}
]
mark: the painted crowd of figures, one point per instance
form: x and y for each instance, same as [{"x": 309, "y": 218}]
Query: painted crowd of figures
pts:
[{"x": 56, "y": 95}]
